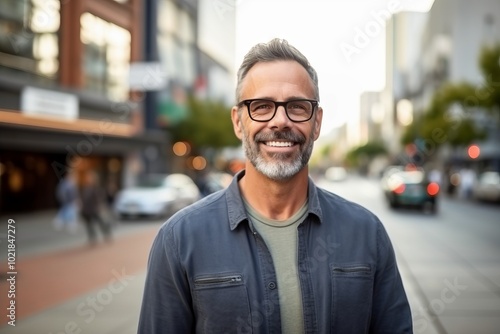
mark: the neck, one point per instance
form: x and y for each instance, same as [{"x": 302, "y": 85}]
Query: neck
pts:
[{"x": 277, "y": 200}]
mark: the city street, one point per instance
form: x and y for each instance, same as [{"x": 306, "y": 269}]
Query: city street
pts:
[
  {"x": 139, "y": 108},
  {"x": 450, "y": 262}
]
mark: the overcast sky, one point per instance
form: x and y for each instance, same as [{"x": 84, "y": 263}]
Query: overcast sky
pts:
[{"x": 343, "y": 39}]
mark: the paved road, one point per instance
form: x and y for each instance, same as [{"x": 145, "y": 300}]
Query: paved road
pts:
[{"x": 450, "y": 262}]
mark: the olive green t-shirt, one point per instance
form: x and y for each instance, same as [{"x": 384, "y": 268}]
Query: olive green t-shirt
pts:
[{"x": 281, "y": 239}]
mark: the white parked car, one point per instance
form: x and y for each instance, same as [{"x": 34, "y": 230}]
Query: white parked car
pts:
[
  {"x": 336, "y": 174},
  {"x": 487, "y": 187},
  {"x": 156, "y": 195}
]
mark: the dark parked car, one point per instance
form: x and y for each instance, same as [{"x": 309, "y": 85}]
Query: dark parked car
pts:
[{"x": 410, "y": 188}]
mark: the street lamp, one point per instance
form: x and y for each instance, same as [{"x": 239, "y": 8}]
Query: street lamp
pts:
[{"x": 181, "y": 148}]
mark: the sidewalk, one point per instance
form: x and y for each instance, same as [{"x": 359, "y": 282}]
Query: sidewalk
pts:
[{"x": 63, "y": 285}]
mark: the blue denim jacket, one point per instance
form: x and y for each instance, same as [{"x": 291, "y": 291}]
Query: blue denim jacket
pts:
[{"x": 210, "y": 272}]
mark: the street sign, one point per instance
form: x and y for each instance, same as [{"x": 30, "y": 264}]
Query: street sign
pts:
[{"x": 37, "y": 101}]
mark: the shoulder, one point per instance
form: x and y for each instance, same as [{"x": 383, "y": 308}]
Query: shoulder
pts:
[
  {"x": 211, "y": 218},
  {"x": 348, "y": 220},
  {"x": 341, "y": 213},
  {"x": 207, "y": 213},
  {"x": 352, "y": 225}
]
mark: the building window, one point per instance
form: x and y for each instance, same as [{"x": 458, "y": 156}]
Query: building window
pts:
[
  {"x": 176, "y": 41},
  {"x": 106, "y": 57},
  {"x": 29, "y": 37}
]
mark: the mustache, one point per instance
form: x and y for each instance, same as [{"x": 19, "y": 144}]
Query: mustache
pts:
[{"x": 280, "y": 135}]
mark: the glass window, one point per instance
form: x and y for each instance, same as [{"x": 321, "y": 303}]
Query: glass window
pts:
[
  {"x": 166, "y": 45},
  {"x": 187, "y": 54},
  {"x": 28, "y": 37},
  {"x": 167, "y": 17},
  {"x": 106, "y": 57},
  {"x": 186, "y": 26},
  {"x": 176, "y": 40}
]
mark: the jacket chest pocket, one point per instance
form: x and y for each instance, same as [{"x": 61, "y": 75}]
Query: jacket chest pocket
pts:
[
  {"x": 352, "y": 291},
  {"x": 221, "y": 304}
]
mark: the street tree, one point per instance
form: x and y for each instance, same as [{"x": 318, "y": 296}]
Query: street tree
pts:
[
  {"x": 206, "y": 126},
  {"x": 361, "y": 156},
  {"x": 450, "y": 117}
]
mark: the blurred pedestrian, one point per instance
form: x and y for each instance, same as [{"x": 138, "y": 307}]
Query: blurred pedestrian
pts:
[
  {"x": 92, "y": 200},
  {"x": 67, "y": 196},
  {"x": 467, "y": 181},
  {"x": 111, "y": 190},
  {"x": 273, "y": 252},
  {"x": 435, "y": 176}
]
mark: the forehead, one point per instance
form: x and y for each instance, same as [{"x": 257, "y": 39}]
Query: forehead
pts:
[{"x": 277, "y": 80}]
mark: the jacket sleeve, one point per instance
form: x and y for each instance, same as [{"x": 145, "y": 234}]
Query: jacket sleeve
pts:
[
  {"x": 166, "y": 305},
  {"x": 391, "y": 311}
]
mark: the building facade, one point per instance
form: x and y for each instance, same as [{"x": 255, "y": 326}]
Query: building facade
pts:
[
  {"x": 371, "y": 117},
  {"x": 425, "y": 50},
  {"x": 65, "y": 103},
  {"x": 452, "y": 42}
]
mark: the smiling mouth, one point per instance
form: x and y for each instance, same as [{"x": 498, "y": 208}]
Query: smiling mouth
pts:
[{"x": 279, "y": 143}]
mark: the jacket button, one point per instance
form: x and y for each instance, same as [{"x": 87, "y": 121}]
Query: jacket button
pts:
[{"x": 271, "y": 285}]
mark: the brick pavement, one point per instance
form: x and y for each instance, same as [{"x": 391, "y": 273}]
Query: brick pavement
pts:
[{"x": 44, "y": 281}]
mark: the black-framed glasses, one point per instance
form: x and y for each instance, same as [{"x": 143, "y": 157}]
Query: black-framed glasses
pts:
[{"x": 262, "y": 110}]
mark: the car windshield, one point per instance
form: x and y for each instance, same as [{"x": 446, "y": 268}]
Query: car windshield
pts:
[{"x": 411, "y": 177}]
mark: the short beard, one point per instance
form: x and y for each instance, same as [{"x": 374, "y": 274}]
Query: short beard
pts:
[{"x": 279, "y": 169}]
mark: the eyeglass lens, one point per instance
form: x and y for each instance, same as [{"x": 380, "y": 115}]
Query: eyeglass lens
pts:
[{"x": 297, "y": 110}]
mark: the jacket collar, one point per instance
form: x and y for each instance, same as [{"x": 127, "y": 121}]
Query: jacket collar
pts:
[{"x": 236, "y": 208}]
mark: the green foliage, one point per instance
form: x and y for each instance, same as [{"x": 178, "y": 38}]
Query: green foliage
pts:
[
  {"x": 452, "y": 106},
  {"x": 208, "y": 125},
  {"x": 489, "y": 62},
  {"x": 450, "y": 113},
  {"x": 364, "y": 153},
  {"x": 325, "y": 151},
  {"x": 370, "y": 149},
  {"x": 412, "y": 131}
]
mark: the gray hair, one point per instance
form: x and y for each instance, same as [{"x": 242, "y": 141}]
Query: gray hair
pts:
[{"x": 276, "y": 49}]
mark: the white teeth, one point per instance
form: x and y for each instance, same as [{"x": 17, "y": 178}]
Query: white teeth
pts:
[{"x": 279, "y": 143}]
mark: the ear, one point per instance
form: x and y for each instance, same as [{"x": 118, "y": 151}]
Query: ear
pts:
[
  {"x": 238, "y": 131},
  {"x": 318, "y": 119}
]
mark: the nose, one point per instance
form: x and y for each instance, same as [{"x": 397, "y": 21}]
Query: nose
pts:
[{"x": 280, "y": 119}]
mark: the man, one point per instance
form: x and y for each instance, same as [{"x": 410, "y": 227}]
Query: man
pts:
[
  {"x": 92, "y": 199},
  {"x": 67, "y": 196},
  {"x": 273, "y": 253}
]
